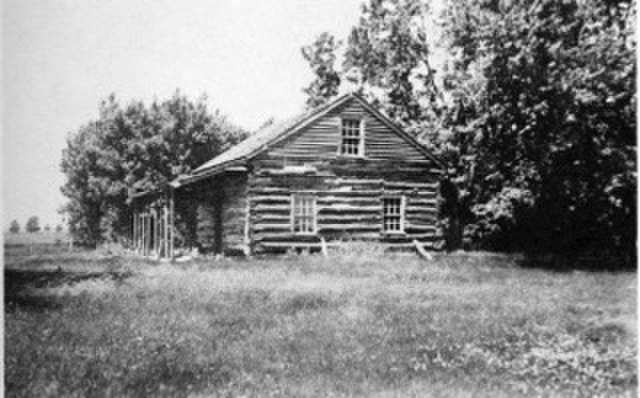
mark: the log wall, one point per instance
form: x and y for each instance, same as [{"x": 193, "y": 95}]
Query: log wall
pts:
[
  {"x": 349, "y": 202},
  {"x": 234, "y": 210},
  {"x": 221, "y": 208},
  {"x": 320, "y": 140},
  {"x": 349, "y": 191}
]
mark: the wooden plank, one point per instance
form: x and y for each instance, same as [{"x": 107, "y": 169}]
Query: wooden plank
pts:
[
  {"x": 420, "y": 228},
  {"x": 321, "y": 138},
  {"x": 271, "y": 198},
  {"x": 348, "y": 227},
  {"x": 340, "y": 207},
  {"x": 329, "y": 244},
  {"x": 270, "y": 217},
  {"x": 265, "y": 226},
  {"x": 348, "y": 219},
  {"x": 272, "y": 208}
]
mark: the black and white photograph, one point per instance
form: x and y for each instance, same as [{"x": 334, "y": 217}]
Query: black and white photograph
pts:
[{"x": 319, "y": 198}]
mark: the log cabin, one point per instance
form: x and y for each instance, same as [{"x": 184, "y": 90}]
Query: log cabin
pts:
[{"x": 342, "y": 171}]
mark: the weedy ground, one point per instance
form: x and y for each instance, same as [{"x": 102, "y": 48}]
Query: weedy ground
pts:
[{"x": 355, "y": 324}]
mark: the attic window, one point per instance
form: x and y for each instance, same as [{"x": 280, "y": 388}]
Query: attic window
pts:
[{"x": 352, "y": 137}]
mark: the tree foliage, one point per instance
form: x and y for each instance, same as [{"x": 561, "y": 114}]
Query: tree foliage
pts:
[
  {"x": 321, "y": 58},
  {"x": 552, "y": 122},
  {"x": 33, "y": 224},
  {"x": 389, "y": 47},
  {"x": 533, "y": 112},
  {"x": 135, "y": 148},
  {"x": 14, "y": 227}
]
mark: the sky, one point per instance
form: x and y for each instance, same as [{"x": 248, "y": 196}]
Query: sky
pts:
[{"x": 60, "y": 58}]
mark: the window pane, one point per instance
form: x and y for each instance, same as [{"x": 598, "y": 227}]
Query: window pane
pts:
[
  {"x": 351, "y": 138},
  {"x": 303, "y": 213},
  {"x": 392, "y": 214}
]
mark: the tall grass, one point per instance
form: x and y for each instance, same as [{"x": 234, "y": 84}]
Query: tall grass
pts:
[{"x": 383, "y": 325}]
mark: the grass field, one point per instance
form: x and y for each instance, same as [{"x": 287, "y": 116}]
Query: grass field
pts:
[{"x": 357, "y": 324}]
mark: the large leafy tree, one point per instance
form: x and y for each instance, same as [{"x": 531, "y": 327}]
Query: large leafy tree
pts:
[
  {"x": 552, "y": 121},
  {"x": 135, "y": 148}
]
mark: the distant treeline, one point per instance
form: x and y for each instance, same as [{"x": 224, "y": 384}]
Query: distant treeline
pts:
[{"x": 32, "y": 225}]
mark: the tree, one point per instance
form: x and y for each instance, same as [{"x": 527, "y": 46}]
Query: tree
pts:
[
  {"x": 59, "y": 228},
  {"x": 86, "y": 184},
  {"x": 552, "y": 122},
  {"x": 321, "y": 57},
  {"x": 389, "y": 47},
  {"x": 14, "y": 227},
  {"x": 135, "y": 148},
  {"x": 33, "y": 224}
]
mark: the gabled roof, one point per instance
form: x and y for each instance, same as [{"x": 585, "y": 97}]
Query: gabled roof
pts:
[{"x": 270, "y": 135}]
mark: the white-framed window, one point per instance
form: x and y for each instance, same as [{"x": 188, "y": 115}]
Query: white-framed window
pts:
[
  {"x": 351, "y": 137},
  {"x": 393, "y": 214},
  {"x": 303, "y": 213}
]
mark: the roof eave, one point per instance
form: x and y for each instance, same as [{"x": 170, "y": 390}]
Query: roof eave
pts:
[{"x": 231, "y": 166}]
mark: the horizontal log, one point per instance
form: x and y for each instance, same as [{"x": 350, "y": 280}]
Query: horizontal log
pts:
[
  {"x": 348, "y": 218},
  {"x": 417, "y": 210},
  {"x": 338, "y": 244},
  {"x": 268, "y": 190},
  {"x": 271, "y": 227},
  {"x": 272, "y": 208},
  {"x": 281, "y": 172},
  {"x": 405, "y": 237},
  {"x": 270, "y": 217},
  {"x": 421, "y": 211},
  {"x": 420, "y": 220},
  {"x": 348, "y": 227},
  {"x": 421, "y": 236},
  {"x": 271, "y": 198},
  {"x": 342, "y": 208},
  {"x": 355, "y": 181},
  {"x": 285, "y": 236},
  {"x": 359, "y": 236},
  {"x": 428, "y": 186},
  {"x": 420, "y": 228},
  {"x": 422, "y": 202},
  {"x": 351, "y": 199}
]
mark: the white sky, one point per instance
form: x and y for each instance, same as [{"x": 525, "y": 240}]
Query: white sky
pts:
[{"x": 60, "y": 58}]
